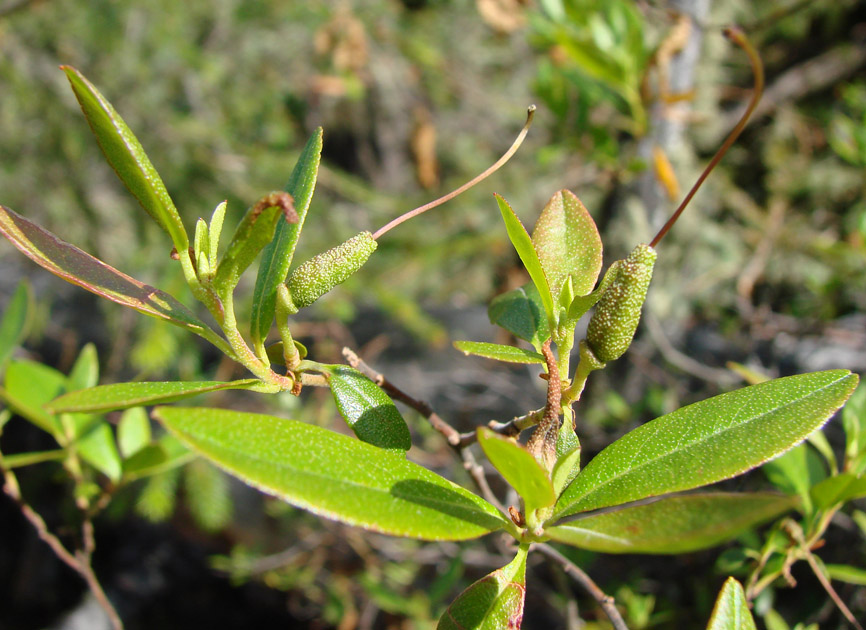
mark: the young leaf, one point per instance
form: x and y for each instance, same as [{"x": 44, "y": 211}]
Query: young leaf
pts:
[
  {"x": 14, "y": 322},
  {"x": 529, "y": 257},
  {"x": 78, "y": 267},
  {"x": 568, "y": 244},
  {"x": 519, "y": 468},
  {"x": 838, "y": 489},
  {"x": 28, "y": 386},
  {"x": 731, "y": 611},
  {"x": 85, "y": 370},
  {"x": 124, "y": 395},
  {"x": 509, "y": 354},
  {"x": 368, "y": 410},
  {"x": 494, "y": 602},
  {"x": 708, "y": 441},
  {"x": 96, "y": 446},
  {"x": 165, "y": 455},
  {"x": 214, "y": 231},
  {"x": 333, "y": 475},
  {"x": 521, "y": 312},
  {"x": 133, "y": 432},
  {"x": 277, "y": 256},
  {"x": 673, "y": 525},
  {"x": 127, "y": 157},
  {"x": 565, "y": 468}
]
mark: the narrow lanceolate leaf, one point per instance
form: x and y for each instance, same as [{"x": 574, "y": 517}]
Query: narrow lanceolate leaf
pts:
[
  {"x": 708, "y": 441},
  {"x": 127, "y": 157},
  {"x": 368, "y": 411},
  {"x": 124, "y": 395},
  {"x": 509, "y": 354},
  {"x": 14, "y": 322},
  {"x": 78, "y": 267},
  {"x": 519, "y": 468},
  {"x": 521, "y": 312},
  {"x": 495, "y": 602},
  {"x": 674, "y": 524},
  {"x": 568, "y": 244},
  {"x": 277, "y": 256},
  {"x": 529, "y": 257},
  {"x": 731, "y": 611},
  {"x": 333, "y": 475}
]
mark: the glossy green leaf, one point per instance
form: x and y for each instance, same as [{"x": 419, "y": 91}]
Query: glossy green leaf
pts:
[
  {"x": 127, "y": 157},
  {"x": 838, "y": 489},
  {"x": 333, "y": 475},
  {"x": 277, "y": 256},
  {"x": 509, "y": 354},
  {"x": 124, "y": 395},
  {"x": 495, "y": 602},
  {"x": 28, "y": 386},
  {"x": 78, "y": 267},
  {"x": 14, "y": 322},
  {"x": 521, "y": 312},
  {"x": 673, "y": 525},
  {"x": 731, "y": 611},
  {"x": 529, "y": 257},
  {"x": 708, "y": 441},
  {"x": 519, "y": 468},
  {"x": 96, "y": 446},
  {"x": 568, "y": 244},
  {"x": 368, "y": 411},
  {"x": 253, "y": 233},
  {"x": 133, "y": 432},
  {"x": 85, "y": 370}
]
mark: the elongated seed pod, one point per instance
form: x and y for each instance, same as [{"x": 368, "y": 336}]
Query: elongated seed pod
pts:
[
  {"x": 324, "y": 271},
  {"x": 617, "y": 314}
]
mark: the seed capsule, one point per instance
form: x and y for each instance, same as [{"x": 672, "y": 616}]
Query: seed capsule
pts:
[
  {"x": 324, "y": 271},
  {"x": 617, "y": 314}
]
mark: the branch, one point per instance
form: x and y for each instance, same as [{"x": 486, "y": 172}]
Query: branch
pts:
[{"x": 605, "y": 601}]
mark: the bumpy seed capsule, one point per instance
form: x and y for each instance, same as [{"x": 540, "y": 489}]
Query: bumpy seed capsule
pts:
[
  {"x": 324, "y": 271},
  {"x": 617, "y": 314}
]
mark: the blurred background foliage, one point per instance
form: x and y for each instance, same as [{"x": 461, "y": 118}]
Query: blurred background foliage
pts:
[{"x": 416, "y": 97}]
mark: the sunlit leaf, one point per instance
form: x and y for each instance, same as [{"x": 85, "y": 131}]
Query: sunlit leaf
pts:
[
  {"x": 838, "y": 489},
  {"x": 495, "y": 602},
  {"x": 28, "y": 386},
  {"x": 673, "y": 525},
  {"x": 277, "y": 256},
  {"x": 568, "y": 244},
  {"x": 521, "y": 312},
  {"x": 127, "y": 157},
  {"x": 96, "y": 446},
  {"x": 333, "y": 475},
  {"x": 708, "y": 441},
  {"x": 509, "y": 354},
  {"x": 519, "y": 468},
  {"x": 368, "y": 411},
  {"x": 85, "y": 370},
  {"x": 133, "y": 432},
  {"x": 78, "y": 267},
  {"x": 125, "y": 395},
  {"x": 731, "y": 611}
]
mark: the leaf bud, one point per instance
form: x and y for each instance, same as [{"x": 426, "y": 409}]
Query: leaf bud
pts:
[
  {"x": 323, "y": 272},
  {"x": 617, "y": 314}
]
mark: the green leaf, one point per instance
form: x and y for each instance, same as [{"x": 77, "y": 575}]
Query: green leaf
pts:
[
  {"x": 207, "y": 495},
  {"x": 14, "y": 322},
  {"x": 494, "y": 602},
  {"x": 708, "y": 441},
  {"x": 125, "y": 395},
  {"x": 846, "y": 573},
  {"x": 30, "y": 385},
  {"x": 96, "y": 446},
  {"x": 731, "y": 611},
  {"x": 519, "y": 468},
  {"x": 165, "y": 455},
  {"x": 368, "y": 411},
  {"x": 521, "y": 312},
  {"x": 529, "y": 257},
  {"x": 333, "y": 475},
  {"x": 127, "y": 157},
  {"x": 673, "y": 525},
  {"x": 509, "y": 354},
  {"x": 213, "y": 234},
  {"x": 78, "y": 267},
  {"x": 838, "y": 489},
  {"x": 277, "y": 256},
  {"x": 566, "y": 468},
  {"x": 796, "y": 472},
  {"x": 28, "y": 459},
  {"x": 568, "y": 244},
  {"x": 85, "y": 370},
  {"x": 133, "y": 431}
]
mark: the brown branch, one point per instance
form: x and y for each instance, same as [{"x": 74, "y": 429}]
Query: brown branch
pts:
[{"x": 605, "y": 601}]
